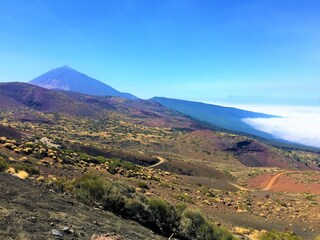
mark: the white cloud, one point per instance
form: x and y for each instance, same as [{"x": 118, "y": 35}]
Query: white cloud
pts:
[
  {"x": 297, "y": 124},
  {"x": 300, "y": 124}
]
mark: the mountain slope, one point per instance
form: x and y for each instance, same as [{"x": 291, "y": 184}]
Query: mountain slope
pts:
[
  {"x": 39, "y": 207},
  {"x": 16, "y": 95},
  {"x": 23, "y": 95},
  {"x": 66, "y": 78},
  {"x": 224, "y": 117},
  {"x": 129, "y": 125}
]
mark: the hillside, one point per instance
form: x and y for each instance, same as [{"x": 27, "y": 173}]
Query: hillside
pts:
[
  {"x": 224, "y": 117},
  {"x": 44, "y": 212},
  {"x": 27, "y": 96},
  {"x": 132, "y": 157},
  {"x": 66, "y": 78},
  {"x": 137, "y": 118}
]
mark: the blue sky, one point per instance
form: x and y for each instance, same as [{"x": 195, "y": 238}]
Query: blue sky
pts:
[{"x": 249, "y": 51}]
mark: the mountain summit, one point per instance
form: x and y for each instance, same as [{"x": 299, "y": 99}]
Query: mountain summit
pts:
[{"x": 66, "y": 78}]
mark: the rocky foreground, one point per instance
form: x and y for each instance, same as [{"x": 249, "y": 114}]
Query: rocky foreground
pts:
[{"x": 28, "y": 211}]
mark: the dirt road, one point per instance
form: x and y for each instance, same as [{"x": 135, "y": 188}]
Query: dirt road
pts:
[
  {"x": 273, "y": 179},
  {"x": 240, "y": 187},
  {"x": 161, "y": 161},
  {"x": 266, "y": 188}
]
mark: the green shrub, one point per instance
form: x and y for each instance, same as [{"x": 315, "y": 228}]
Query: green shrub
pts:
[
  {"x": 114, "y": 165},
  {"x": 85, "y": 157},
  {"x": 115, "y": 196},
  {"x": 29, "y": 169},
  {"x": 276, "y": 235},
  {"x": 66, "y": 160},
  {"x": 137, "y": 210},
  {"x": 194, "y": 225},
  {"x": 143, "y": 185},
  {"x": 101, "y": 159},
  {"x": 164, "y": 184},
  {"x": 89, "y": 188},
  {"x": 62, "y": 185},
  {"x": 184, "y": 197},
  {"x": 164, "y": 216},
  {"x": 191, "y": 221},
  {"x": 155, "y": 213},
  {"x": 3, "y": 165}
]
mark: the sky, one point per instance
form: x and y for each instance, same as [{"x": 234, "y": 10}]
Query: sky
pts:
[{"x": 237, "y": 52}]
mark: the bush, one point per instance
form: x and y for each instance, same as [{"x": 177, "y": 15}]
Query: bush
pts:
[
  {"x": 29, "y": 169},
  {"x": 164, "y": 216},
  {"x": 85, "y": 157},
  {"x": 143, "y": 185},
  {"x": 191, "y": 221},
  {"x": 184, "y": 197},
  {"x": 3, "y": 165},
  {"x": 138, "y": 211},
  {"x": 114, "y": 165},
  {"x": 101, "y": 159},
  {"x": 115, "y": 196},
  {"x": 194, "y": 225},
  {"x": 89, "y": 188},
  {"x": 275, "y": 235},
  {"x": 155, "y": 213}
]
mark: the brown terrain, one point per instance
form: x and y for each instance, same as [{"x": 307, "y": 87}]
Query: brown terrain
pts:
[
  {"x": 287, "y": 181},
  {"x": 29, "y": 211},
  {"x": 48, "y": 137}
]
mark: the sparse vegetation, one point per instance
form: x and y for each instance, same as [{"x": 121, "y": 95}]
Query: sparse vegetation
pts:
[
  {"x": 114, "y": 165},
  {"x": 106, "y": 145},
  {"x": 27, "y": 168},
  {"x": 194, "y": 225},
  {"x": 184, "y": 197},
  {"x": 143, "y": 185},
  {"x": 154, "y": 213},
  {"x": 3, "y": 165},
  {"x": 275, "y": 235}
]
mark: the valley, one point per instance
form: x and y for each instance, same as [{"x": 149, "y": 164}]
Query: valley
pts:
[
  {"x": 240, "y": 183},
  {"x": 159, "y": 119}
]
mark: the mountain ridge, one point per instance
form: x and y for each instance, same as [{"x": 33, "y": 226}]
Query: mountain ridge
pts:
[{"x": 225, "y": 117}]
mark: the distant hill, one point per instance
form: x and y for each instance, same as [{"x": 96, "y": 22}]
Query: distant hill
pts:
[
  {"x": 25, "y": 102},
  {"x": 66, "y": 78},
  {"x": 224, "y": 117},
  {"x": 15, "y": 95}
]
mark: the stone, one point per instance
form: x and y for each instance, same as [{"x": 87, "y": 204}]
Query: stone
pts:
[
  {"x": 68, "y": 230},
  {"x": 57, "y": 233},
  {"x": 108, "y": 236}
]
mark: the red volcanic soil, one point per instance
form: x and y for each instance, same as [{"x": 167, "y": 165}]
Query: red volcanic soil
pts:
[
  {"x": 283, "y": 183},
  {"x": 248, "y": 151}
]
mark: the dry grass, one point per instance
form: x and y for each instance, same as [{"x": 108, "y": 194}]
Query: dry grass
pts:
[{"x": 21, "y": 174}]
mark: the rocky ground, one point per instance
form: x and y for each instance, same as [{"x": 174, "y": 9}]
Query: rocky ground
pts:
[
  {"x": 29, "y": 211},
  {"x": 206, "y": 170}
]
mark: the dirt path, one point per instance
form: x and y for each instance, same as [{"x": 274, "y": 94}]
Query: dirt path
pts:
[
  {"x": 273, "y": 179},
  {"x": 161, "y": 161},
  {"x": 266, "y": 188},
  {"x": 240, "y": 187}
]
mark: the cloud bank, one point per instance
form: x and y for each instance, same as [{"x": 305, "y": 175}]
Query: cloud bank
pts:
[{"x": 297, "y": 124}]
